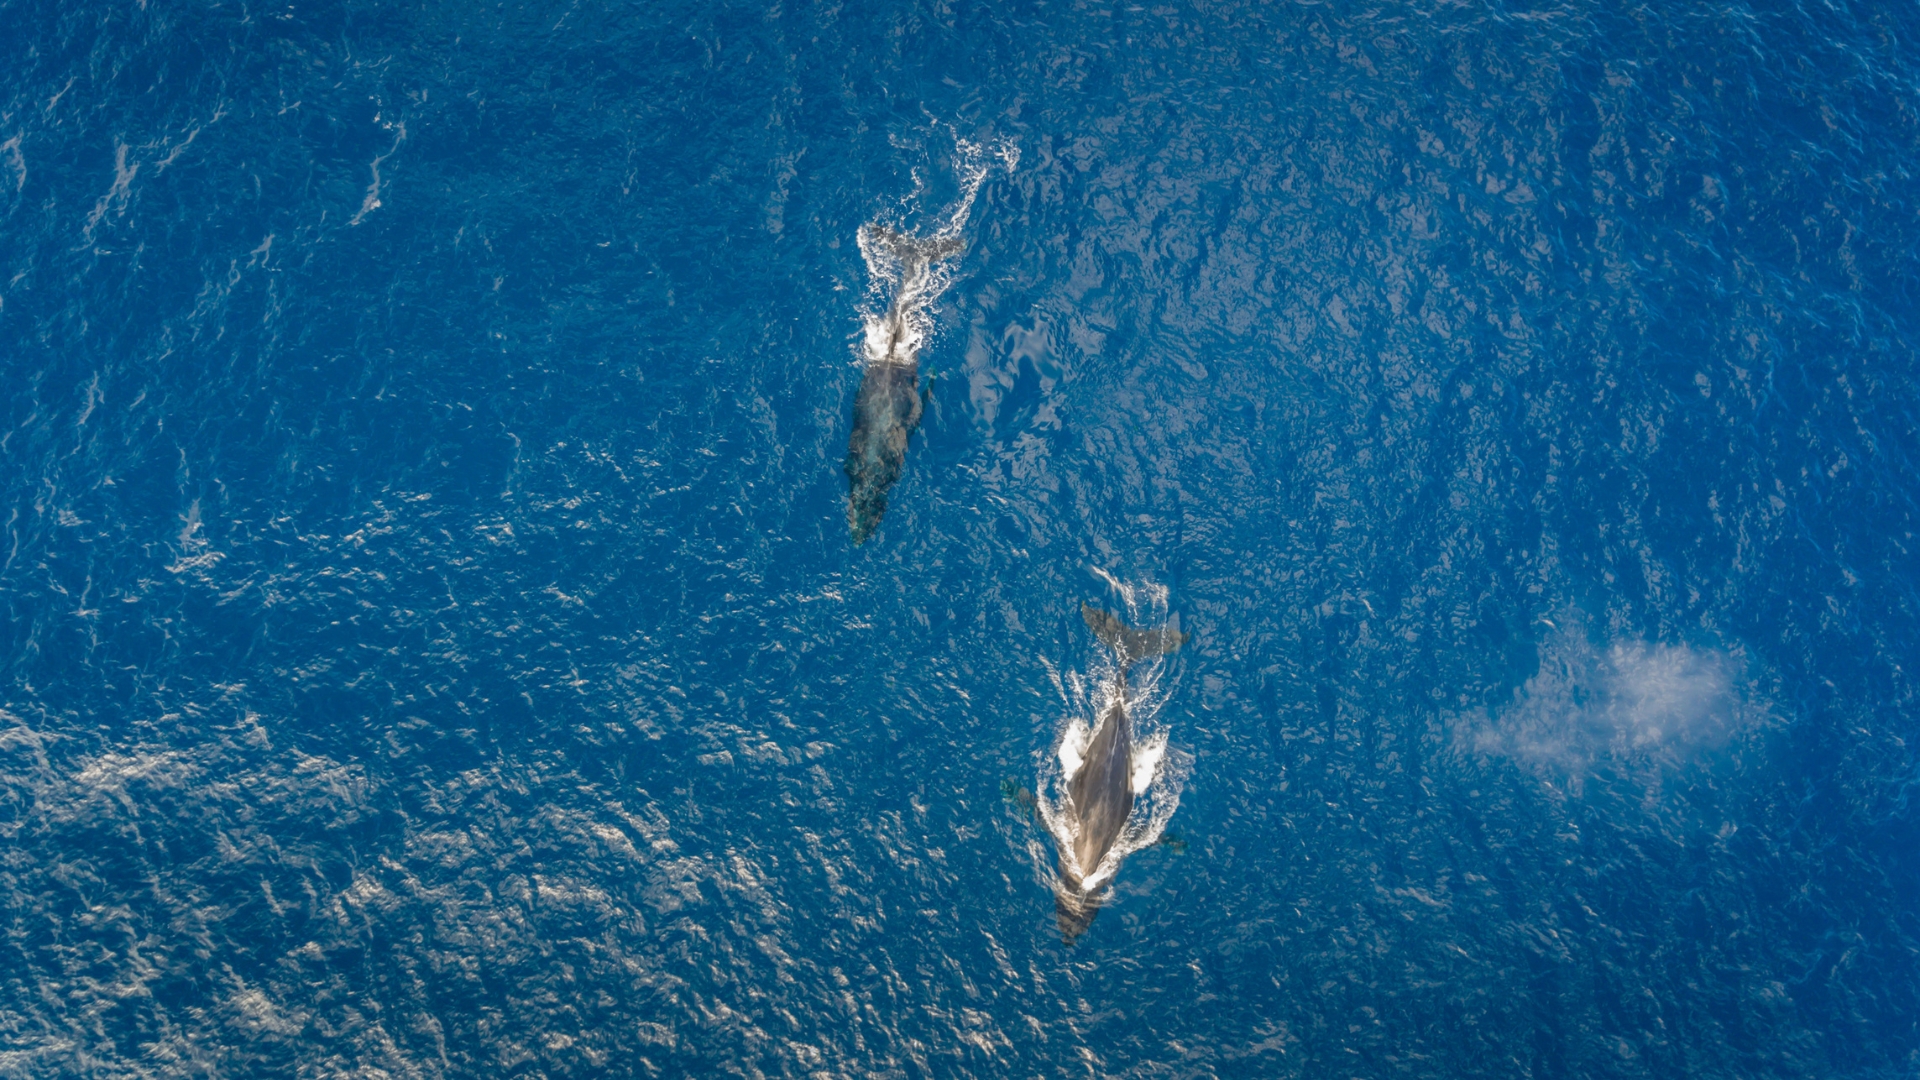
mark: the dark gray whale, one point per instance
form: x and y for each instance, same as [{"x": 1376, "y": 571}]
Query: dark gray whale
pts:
[
  {"x": 1100, "y": 794},
  {"x": 887, "y": 408}
]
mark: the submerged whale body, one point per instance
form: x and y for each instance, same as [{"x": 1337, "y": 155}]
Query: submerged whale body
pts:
[
  {"x": 888, "y": 407},
  {"x": 1100, "y": 793},
  {"x": 884, "y": 414}
]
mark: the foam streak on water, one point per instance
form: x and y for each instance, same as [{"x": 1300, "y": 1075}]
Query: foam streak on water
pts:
[{"x": 903, "y": 280}]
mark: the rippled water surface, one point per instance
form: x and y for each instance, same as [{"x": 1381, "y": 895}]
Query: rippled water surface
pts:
[{"x": 434, "y": 646}]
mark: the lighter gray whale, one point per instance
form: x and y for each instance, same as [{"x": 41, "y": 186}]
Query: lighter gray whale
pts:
[{"x": 1100, "y": 793}]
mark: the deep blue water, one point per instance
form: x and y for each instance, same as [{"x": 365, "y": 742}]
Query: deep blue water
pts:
[{"x": 434, "y": 647}]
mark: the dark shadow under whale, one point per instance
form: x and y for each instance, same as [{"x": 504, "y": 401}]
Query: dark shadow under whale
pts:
[{"x": 1100, "y": 793}]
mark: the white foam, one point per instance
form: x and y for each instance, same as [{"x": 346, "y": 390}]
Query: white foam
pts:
[
  {"x": 1146, "y": 762},
  {"x": 1668, "y": 694},
  {"x": 900, "y": 291},
  {"x": 1073, "y": 748}
]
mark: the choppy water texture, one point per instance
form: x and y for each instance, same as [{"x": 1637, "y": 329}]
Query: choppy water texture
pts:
[{"x": 434, "y": 645}]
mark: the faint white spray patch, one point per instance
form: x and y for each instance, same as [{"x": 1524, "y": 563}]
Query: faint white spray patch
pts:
[
  {"x": 1632, "y": 702},
  {"x": 1159, "y": 770},
  {"x": 197, "y": 557}
]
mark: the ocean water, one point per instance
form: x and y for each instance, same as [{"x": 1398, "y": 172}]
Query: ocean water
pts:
[{"x": 434, "y": 646}]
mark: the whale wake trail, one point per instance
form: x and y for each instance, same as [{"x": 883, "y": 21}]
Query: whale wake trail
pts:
[{"x": 906, "y": 273}]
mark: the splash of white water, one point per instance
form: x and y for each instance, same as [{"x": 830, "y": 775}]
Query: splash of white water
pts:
[
  {"x": 903, "y": 280},
  {"x": 1073, "y": 747},
  {"x": 1146, "y": 762}
]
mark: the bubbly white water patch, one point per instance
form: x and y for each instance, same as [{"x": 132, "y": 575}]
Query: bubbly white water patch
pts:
[
  {"x": 1666, "y": 694},
  {"x": 1631, "y": 700},
  {"x": 1158, "y": 771},
  {"x": 1146, "y": 762},
  {"x": 1073, "y": 748}
]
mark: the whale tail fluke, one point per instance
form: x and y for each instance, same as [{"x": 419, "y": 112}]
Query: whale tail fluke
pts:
[
  {"x": 1130, "y": 643},
  {"x": 1073, "y": 912}
]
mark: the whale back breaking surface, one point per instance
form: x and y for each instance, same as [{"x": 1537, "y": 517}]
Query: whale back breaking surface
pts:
[
  {"x": 1098, "y": 819},
  {"x": 884, "y": 415},
  {"x": 1102, "y": 791},
  {"x": 888, "y": 407}
]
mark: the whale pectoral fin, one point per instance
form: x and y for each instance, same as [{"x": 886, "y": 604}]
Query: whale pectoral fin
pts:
[
  {"x": 1073, "y": 912},
  {"x": 1025, "y": 801},
  {"x": 1105, "y": 626}
]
